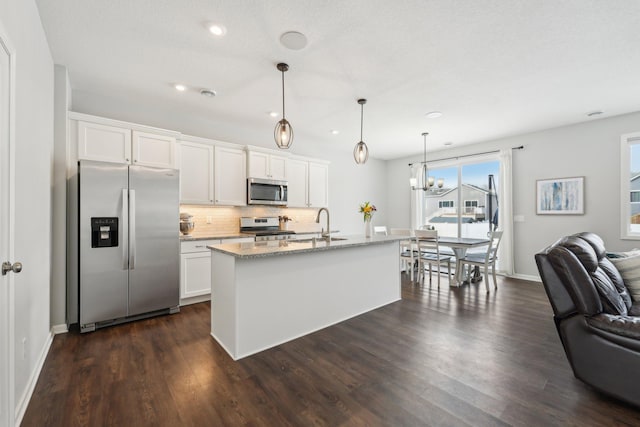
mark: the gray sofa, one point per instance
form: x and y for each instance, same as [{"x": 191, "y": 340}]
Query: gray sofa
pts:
[{"x": 598, "y": 323}]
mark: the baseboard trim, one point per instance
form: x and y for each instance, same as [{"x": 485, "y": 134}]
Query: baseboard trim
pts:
[
  {"x": 528, "y": 277},
  {"x": 21, "y": 406},
  {"x": 59, "y": 329},
  {"x": 195, "y": 300}
]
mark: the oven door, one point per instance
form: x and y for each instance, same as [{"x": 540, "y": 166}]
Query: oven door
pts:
[{"x": 266, "y": 192}]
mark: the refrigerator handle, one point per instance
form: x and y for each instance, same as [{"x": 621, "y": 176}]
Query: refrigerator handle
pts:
[
  {"x": 132, "y": 230},
  {"x": 125, "y": 220}
]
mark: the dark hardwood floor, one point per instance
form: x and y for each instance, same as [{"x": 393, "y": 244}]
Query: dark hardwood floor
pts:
[{"x": 438, "y": 357}]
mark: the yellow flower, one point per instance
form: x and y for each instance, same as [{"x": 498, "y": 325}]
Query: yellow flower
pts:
[{"x": 367, "y": 209}]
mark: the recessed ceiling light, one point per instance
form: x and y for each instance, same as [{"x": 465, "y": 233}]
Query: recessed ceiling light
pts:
[
  {"x": 208, "y": 92},
  {"x": 180, "y": 87},
  {"x": 274, "y": 114},
  {"x": 448, "y": 143},
  {"x": 433, "y": 114},
  {"x": 293, "y": 40},
  {"x": 334, "y": 131},
  {"x": 594, "y": 113},
  {"x": 217, "y": 30}
]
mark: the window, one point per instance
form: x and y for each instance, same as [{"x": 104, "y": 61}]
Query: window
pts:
[
  {"x": 630, "y": 186},
  {"x": 464, "y": 205}
]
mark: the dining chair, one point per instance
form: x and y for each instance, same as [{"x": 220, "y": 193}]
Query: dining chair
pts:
[
  {"x": 429, "y": 250},
  {"x": 484, "y": 260},
  {"x": 406, "y": 249},
  {"x": 380, "y": 229}
]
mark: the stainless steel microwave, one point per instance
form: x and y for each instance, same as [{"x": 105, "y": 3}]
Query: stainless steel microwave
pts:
[{"x": 266, "y": 192}]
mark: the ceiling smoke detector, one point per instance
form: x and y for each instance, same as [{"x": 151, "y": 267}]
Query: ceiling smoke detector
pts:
[
  {"x": 293, "y": 40},
  {"x": 209, "y": 93}
]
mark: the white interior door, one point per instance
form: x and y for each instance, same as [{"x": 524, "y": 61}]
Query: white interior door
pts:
[{"x": 6, "y": 231}]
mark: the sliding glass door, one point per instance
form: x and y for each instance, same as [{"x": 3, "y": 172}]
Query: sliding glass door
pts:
[{"x": 466, "y": 205}]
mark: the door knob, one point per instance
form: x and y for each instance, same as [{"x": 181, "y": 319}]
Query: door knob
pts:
[{"x": 16, "y": 267}]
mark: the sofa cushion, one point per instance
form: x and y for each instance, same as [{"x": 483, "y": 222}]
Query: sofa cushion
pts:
[
  {"x": 629, "y": 269},
  {"x": 626, "y": 326},
  {"x": 589, "y": 250},
  {"x": 627, "y": 254}
]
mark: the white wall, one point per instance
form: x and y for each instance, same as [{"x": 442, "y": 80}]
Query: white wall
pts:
[
  {"x": 591, "y": 149},
  {"x": 33, "y": 172},
  {"x": 62, "y": 103}
]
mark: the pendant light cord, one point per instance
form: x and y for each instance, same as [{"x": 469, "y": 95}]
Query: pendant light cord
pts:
[
  {"x": 283, "y": 94},
  {"x": 361, "y": 119}
]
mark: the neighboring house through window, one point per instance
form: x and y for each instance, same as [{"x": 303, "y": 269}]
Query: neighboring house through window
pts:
[{"x": 630, "y": 186}]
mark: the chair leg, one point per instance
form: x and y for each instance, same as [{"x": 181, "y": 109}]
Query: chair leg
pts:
[
  {"x": 438, "y": 272},
  {"x": 493, "y": 273},
  {"x": 486, "y": 277}
]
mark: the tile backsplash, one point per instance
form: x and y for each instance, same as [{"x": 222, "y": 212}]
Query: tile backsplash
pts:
[{"x": 226, "y": 219}]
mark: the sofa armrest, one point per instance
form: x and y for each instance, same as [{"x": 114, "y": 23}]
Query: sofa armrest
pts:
[{"x": 626, "y": 326}]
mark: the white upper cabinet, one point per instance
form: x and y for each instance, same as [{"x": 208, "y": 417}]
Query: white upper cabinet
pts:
[
  {"x": 101, "y": 142},
  {"x": 154, "y": 150},
  {"x": 308, "y": 183},
  {"x": 196, "y": 173},
  {"x": 230, "y": 180},
  {"x": 266, "y": 165},
  {"x": 297, "y": 190},
  {"x": 318, "y": 185},
  {"x": 104, "y": 143}
]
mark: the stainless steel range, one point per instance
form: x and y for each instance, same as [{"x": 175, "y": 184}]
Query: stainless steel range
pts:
[{"x": 264, "y": 228}]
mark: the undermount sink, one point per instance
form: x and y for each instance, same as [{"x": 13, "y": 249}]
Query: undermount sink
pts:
[{"x": 318, "y": 239}]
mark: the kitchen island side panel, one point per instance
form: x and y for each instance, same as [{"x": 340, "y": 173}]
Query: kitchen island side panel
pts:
[
  {"x": 223, "y": 301},
  {"x": 281, "y": 298}
]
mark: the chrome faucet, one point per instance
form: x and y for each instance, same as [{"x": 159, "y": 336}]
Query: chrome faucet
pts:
[{"x": 327, "y": 234}]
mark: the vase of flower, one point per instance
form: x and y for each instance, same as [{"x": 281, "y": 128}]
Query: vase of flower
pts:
[
  {"x": 368, "y": 228},
  {"x": 367, "y": 210}
]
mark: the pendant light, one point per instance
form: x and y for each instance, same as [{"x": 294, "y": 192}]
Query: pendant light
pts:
[
  {"x": 427, "y": 181},
  {"x": 283, "y": 132},
  {"x": 361, "y": 151}
]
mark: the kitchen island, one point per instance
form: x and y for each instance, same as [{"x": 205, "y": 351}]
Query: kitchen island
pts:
[{"x": 267, "y": 293}]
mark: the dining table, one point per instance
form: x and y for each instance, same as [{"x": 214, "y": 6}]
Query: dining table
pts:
[{"x": 460, "y": 245}]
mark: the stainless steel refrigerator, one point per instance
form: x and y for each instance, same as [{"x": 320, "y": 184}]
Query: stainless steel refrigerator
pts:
[{"x": 129, "y": 249}]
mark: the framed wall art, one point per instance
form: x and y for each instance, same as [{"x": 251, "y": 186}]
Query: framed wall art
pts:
[{"x": 560, "y": 196}]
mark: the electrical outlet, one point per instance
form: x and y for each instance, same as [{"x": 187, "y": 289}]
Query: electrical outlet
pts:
[
  {"x": 24, "y": 348},
  {"x": 208, "y": 220}
]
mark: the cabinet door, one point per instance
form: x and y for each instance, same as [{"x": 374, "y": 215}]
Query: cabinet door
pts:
[
  {"x": 230, "y": 177},
  {"x": 298, "y": 183},
  {"x": 258, "y": 165},
  {"x": 196, "y": 173},
  {"x": 278, "y": 167},
  {"x": 154, "y": 150},
  {"x": 318, "y": 185},
  {"x": 195, "y": 274},
  {"x": 104, "y": 143}
]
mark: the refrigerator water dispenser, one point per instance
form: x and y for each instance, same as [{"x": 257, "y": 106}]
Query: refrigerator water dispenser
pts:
[{"x": 104, "y": 232}]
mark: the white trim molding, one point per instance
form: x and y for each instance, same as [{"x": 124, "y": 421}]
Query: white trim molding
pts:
[{"x": 23, "y": 402}]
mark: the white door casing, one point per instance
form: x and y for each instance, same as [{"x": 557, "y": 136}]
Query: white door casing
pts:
[{"x": 7, "y": 120}]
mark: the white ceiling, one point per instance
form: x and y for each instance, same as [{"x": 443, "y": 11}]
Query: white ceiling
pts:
[{"x": 494, "y": 67}]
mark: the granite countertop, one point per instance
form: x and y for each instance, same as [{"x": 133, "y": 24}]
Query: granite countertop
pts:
[
  {"x": 236, "y": 235},
  {"x": 285, "y": 247}
]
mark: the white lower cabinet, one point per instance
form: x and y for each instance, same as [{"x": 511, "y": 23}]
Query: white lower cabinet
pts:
[{"x": 195, "y": 268}]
